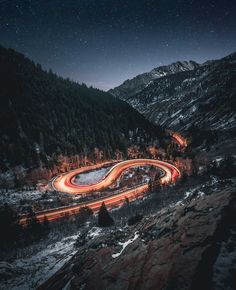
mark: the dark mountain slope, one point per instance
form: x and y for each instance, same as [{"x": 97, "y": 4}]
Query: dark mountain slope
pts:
[
  {"x": 138, "y": 83},
  {"x": 43, "y": 115},
  {"x": 205, "y": 97}
]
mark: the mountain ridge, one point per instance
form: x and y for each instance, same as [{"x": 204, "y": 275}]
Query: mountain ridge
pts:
[
  {"x": 204, "y": 96},
  {"x": 43, "y": 115},
  {"x": 139, "y": 82}
]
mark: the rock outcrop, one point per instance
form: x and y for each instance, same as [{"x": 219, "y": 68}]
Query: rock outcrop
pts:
[{"x": 179, "y": 248}]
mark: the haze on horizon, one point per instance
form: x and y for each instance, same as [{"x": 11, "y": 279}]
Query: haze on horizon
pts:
[{"x": 103, "y": 43}]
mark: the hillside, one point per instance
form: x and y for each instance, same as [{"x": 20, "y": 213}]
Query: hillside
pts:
[
  {"x": 140, "y": 82},
  {"x": 43, "y": 115},
  {"x": 156, "y": 250},
  {"x": 204, "y": 97}
]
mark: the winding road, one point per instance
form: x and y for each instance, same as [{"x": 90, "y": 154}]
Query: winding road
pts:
[{"x": 66, "y": 183}]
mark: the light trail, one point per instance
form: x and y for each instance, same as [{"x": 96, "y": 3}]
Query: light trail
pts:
[
  {"x": 183, "y": 143},
  {"x": 65, "y": 183}
]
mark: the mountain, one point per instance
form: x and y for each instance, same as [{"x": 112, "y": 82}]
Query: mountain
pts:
[
  {"x": 43, "y": 115},
  {"x": 204, "y": 96},
  {"x": 138, "y": 83}
]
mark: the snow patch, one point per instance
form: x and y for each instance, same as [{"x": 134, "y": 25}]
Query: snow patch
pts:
[
  {"x": 37, "y": 268},
  {"x": 125, "y": 244},
  {"x": 91, "y": 176},
  {"x": 14, "y": 197},
  {"x": 176, "y": 113},
  {"x": 94, "y": 232},
  {"x": 148, "y": 83}
]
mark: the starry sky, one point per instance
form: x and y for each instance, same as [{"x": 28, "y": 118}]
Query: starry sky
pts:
[{"x": 104, "y": 42}]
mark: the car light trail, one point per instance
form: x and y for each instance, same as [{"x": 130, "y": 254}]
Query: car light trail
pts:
[{"x": 65, "y": 183}]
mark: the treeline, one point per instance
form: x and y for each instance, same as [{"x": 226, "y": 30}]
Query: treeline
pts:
[
  {"x": 14, "y": 234},
  {"x": 43, "y": 115}
]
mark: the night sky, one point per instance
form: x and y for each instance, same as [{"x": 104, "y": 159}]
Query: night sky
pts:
[{"x": 104, "y": 42}]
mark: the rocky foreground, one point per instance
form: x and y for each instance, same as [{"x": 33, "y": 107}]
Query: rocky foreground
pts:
[{"x": 191, "y": 246}]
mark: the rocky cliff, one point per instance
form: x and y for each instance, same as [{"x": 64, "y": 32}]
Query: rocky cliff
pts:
[{"x": 189, "y": 246}]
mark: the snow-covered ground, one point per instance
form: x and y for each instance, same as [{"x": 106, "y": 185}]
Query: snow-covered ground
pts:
[
  {"x": 91, "y": 176},
  {"x": 94, "y": 232},
  {"x": 35, "y": 268},
  {"x": 14, "y": 197}
]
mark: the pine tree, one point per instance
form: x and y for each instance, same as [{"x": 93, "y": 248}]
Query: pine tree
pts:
[
  {"x": 84, "y": 214},
  {"x": 104, "y": 219},
  {"x": 156, "y": 181},
  {"x": 150, "y": 185}
]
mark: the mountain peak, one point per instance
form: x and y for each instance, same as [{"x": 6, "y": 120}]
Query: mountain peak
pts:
[
  {"x": 202, "y": 96},
  {"x": 188, "y": 64},
  {"x": 133, "y": 86}
]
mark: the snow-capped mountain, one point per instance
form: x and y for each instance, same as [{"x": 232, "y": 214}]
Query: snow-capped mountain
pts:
[
  {"x": 138, "y": 83},
  {"x": 203, "y": 95}
]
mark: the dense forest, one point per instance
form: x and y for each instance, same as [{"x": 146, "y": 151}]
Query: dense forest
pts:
[{"x": 43, "y": 115}]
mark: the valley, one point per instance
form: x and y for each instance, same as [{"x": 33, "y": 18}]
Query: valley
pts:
[
  {"x": 157, "y": 155},
  {"x": 117, "y": 145}
]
